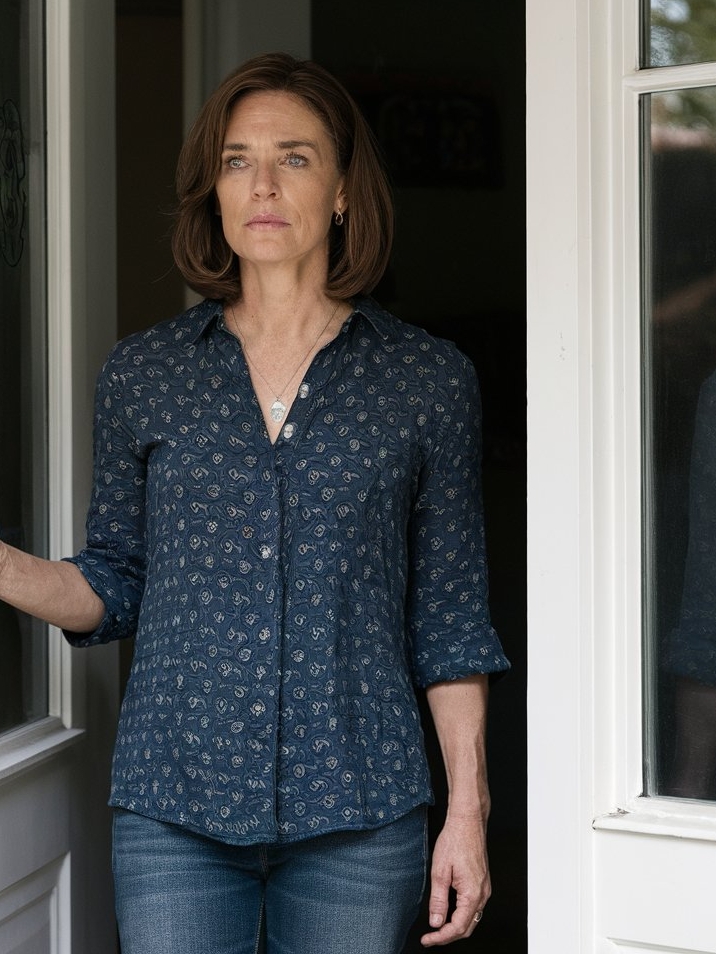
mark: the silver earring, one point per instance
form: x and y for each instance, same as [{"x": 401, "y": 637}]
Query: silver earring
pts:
[{"x": 339, "y": 218}]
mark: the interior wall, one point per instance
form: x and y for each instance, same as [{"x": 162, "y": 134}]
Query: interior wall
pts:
[{"x": 149, "y": 136}]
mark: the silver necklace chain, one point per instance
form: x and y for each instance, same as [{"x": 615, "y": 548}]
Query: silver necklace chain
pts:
[{"x": 278, "y": 408}]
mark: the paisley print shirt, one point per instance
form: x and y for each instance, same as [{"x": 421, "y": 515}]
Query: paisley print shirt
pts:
[{"x": 287, "y": 599}]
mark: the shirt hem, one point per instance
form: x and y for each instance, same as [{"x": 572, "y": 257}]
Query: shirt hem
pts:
[{"x": 264, "y": 837}]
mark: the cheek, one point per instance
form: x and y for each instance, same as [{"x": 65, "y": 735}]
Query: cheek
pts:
[
  {"x": 221, "y": 202},
  {"x": 322, "y": 203},
  {"x": 225, "y": 208},
  {"x": 227, "y": 197}
]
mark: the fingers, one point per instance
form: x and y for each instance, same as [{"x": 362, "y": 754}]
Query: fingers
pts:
[
  {"x": 471, "y": 898},
  {"x": 439, "y": 900},
  {"x": 460, "y": 926},
  {"x": 459, "y": 869},
  {"x": 462, "y": 922}
]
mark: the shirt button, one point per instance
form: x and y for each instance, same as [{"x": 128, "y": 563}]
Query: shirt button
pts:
[
  {"x": 288, "y": 430},
  {"x": 303, "y": 390},
  {"x": 265, "y": 551}
]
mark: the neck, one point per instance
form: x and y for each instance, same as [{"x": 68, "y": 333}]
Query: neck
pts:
[
  {"x": 288, "y": 328},
  {"x": 285, "y": 321},
  {"x": 281, "y": 298}
]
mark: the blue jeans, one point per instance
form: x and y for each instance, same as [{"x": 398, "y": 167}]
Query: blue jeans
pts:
[{"x": 344, "y": 893}]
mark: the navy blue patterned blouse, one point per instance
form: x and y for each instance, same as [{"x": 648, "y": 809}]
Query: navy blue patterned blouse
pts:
[
  {"x": 690, "y": 650},
  {"x": 287, "y": 598}
]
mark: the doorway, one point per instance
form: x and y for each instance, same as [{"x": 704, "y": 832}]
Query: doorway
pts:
[{"x": 458, "y": 269}]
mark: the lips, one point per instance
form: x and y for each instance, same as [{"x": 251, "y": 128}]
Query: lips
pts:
[{"x": 266, "y": 220}]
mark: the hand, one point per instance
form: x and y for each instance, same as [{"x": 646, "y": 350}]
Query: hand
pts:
[
  {"x": 4, "y": 555},
  {"x": 459, "y": 862}
]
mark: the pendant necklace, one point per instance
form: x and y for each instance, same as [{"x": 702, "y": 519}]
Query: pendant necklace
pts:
[{"x": 278, "y": 408}]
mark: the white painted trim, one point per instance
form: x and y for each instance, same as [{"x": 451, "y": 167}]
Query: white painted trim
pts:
[
  {"x": 60, "y": 222},
  {"x": 615, "y": 355},
  {"x": 625, "y": 231},
  {"x": 62, "y": 923},
  {"x": 27, "y": 746},
  {"x": 671, "y": 77},
  {"x": 618, "y": 246},
  {"x": 560, "y": 599},
  {"x": 585, "y": 499},
  {"x": 672, "y": 817},
  {"x": 584, "y": 705},
  {"x": 42, "y": 901},
  {"x": 54, "y": 791}
]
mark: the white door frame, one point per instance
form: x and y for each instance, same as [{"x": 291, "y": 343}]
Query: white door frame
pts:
[
  {"x": 609, "y": 870},
  {"x": 558, "y": 426},
  {"x": 55, "y": 879}
]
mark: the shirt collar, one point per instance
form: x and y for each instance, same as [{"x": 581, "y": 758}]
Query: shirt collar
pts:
[{"x": 200, "y": 319}]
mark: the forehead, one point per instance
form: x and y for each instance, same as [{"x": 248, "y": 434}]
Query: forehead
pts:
[{"x": 280, "y": 115}]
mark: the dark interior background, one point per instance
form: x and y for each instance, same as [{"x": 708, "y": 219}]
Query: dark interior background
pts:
[{"x": 443, "y": 85}]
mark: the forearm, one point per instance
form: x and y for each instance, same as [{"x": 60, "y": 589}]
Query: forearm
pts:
[
  {"x": 52, "y": 590},
  {"x": 459, "y": 711}
]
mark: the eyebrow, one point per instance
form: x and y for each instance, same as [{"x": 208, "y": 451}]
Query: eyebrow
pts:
[{"x": 282, "y": 144}]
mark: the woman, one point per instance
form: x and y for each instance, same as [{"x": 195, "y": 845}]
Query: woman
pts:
[{"x": 287, "y": 513}]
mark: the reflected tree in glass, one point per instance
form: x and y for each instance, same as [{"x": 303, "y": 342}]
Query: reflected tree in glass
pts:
[{"x": 679, "y": 32}]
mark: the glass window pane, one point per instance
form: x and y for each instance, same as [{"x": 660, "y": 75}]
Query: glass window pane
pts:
[
  {"x": 679, "y": 228},
  {"x": 678, "y": 32},
  {"x": 23, "y": 670}
]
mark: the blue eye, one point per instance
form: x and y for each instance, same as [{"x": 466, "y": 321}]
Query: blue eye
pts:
[
  {"x": 235, "y": 162},
  {"x": 294, "y": 159}
]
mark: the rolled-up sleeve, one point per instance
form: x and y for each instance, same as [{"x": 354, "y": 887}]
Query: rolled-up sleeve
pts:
[
  {"x": 113, "y": 559},
  {"x": 448, "y": 611}
]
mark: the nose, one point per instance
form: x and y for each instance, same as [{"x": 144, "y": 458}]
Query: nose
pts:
[{"x": 265, "y": 184}]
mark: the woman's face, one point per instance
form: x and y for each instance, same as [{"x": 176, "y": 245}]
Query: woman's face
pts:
[{"x": 279, "y": 183}]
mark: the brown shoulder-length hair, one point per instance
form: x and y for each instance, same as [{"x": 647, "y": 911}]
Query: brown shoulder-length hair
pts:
[{"x": 358, "y": 249}]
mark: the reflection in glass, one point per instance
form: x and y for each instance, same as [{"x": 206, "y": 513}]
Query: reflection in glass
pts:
[
  {"x": 678, "y": 32},
  {"x": 680, "y": 445},
  {"x": 23, "y": 650}
]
